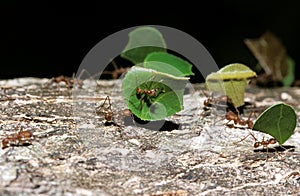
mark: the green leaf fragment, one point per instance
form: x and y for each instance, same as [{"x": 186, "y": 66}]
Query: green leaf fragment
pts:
[
  {"x": 278, "y": 121},
  {"x": 143, "y": 41},
  {"x": 169, "y": 91},
  {"x": 168, "y": 63},
  {"x": 232, "y": 81},
  {"x": 290, "y": 76}
]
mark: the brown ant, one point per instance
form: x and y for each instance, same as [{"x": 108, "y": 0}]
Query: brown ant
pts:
[
  {"x": 257, "y": 143},
  {"x": 105, "y": 110},
  {"x": 145, "y": 93},
  {"x": 237, "y": 120},
  {"x": 265, "y": 143},
  {"x": 142, "y": 93},
  {"x": 117, "y": 72},
  {"x": 19, "y": 139},
  {"x": 69, "y": 81},
  {"x": 220, "y": 103}
]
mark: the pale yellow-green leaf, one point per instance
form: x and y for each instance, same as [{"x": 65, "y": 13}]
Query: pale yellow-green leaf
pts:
[{"x": 231, "y": 80}]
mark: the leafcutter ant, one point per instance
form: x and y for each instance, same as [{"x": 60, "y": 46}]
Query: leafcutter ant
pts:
[
  {"x": 22, "y": 138},
  {"x": 220, "y": 103},
  {"x": 223, "y": 103},
  {"x": 69, "y": 81},
  {"x": 264, "y": 143},
  {"x": 231, "y": 116},
  {"x": 147, "y": 95},
  {"x": 117, "y": 72},
  {"x": 148, "y": 91},
  {"x": 105, "y": 109},
  {"x": 75, "y": 80}
]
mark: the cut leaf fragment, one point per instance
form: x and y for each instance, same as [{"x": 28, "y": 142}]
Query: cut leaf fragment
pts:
[
  {"x": 168, "y": 63},
  {"x": 231, "y": 80},
  {"x": 278, "y": 121},
  {"x": 166, "y": 100},
  {"x": 143, "y": 41}
]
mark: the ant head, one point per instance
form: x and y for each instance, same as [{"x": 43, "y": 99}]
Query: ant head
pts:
[
  {"x": 207, "y": 102},
  {"x": 151, "y": 92},
  {"x": 256, "y": 144},
  {"x": 139, "y": 90}
]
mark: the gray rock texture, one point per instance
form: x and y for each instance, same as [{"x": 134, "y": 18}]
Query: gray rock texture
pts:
[{"x": 74, "y": 152}]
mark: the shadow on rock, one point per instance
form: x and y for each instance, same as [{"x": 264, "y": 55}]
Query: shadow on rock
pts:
[{"x": 160, "y": 125}]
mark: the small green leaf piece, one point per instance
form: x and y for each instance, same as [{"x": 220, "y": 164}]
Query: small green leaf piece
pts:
[
  {"x": 166, "y": 100},
  {"x": 278, "y": 121},
  {"x": 231, "y": 80},
  {"x": 143, "y": 41},
  {"x": 168, "y": 63}
]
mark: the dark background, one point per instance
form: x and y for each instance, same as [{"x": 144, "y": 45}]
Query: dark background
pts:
[{"x": 50, "y": 39}]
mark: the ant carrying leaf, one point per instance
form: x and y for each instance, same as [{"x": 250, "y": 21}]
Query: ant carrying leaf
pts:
[
  {"x": 264, "y": 143},
  {"x": 278, "y": 120},
  {"x": 231, "y": 80}
]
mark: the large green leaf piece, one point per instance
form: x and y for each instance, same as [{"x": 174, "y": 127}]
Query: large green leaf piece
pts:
[
  {"x": 232, "y": 81},
  {"x": 168, "y": 63},
  {"x": 143, "y": 41},
  {"x": 278, "y": 121},
  {"x": 168, "y": 98}
]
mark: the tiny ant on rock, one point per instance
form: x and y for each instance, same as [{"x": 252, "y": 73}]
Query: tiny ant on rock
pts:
[
  {"x": 264, "y": 143},
  {"x": 19, "y": 139},
  {"x": 69, "y": 81},
  {"x": 105, "y": 109}
]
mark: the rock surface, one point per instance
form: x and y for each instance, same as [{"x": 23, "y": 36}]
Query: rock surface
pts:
[{"x": 74, "y": 152}]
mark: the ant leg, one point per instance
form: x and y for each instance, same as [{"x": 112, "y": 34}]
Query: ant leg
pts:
[{"x": 246, "y": 138}]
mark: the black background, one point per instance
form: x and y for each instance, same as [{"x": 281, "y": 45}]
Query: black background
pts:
[{"x": 50, "y": 39}]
